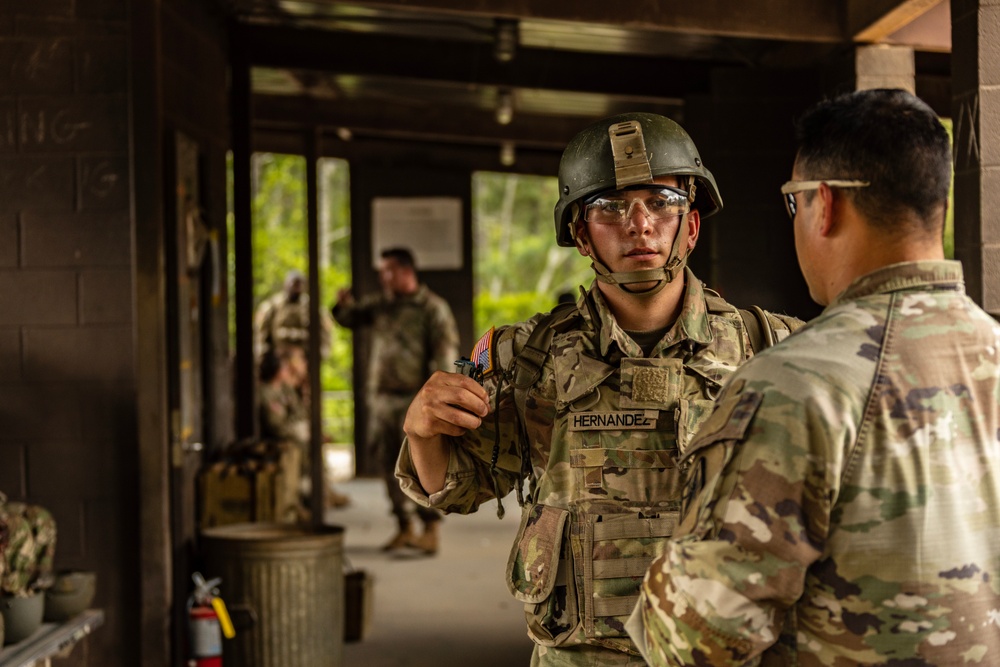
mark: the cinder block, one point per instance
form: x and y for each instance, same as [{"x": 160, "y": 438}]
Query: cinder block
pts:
[
  {"x": 93, "y": 354},
  {"x": 101, "y": 65},
  {"x": 104, "y": 183},
  {"x": 38, "y": 297},
  {"x": 10, "y": 357},
  {"x": 39, "y": 183},
  {"x": 37, "y": 411},
  {"x": 106, "y": 297},
  {"x": 72, "y": 124},
  {"x": 76, "y": 239},
  {"x": 8, "y": 241},
  {"x": 36, "y": 65},
  {"x": 12, "y": 472}
]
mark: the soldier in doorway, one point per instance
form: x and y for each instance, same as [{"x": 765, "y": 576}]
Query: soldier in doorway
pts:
[
  {"x": 595, "y": 403},
  {"x": 413, "y": 334}
]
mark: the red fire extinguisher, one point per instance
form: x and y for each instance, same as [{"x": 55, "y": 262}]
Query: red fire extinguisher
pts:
[{"x": 208, "y": 621}]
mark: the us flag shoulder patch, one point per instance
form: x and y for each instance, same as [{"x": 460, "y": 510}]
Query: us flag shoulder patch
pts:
[{"x": 482, "y": 353}]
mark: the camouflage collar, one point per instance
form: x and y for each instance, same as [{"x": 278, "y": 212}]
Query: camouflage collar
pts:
[
  {"x": 692, "y": 324},
  {"x": 420, "y": 296},
  {"x": 939, "y": 274}
]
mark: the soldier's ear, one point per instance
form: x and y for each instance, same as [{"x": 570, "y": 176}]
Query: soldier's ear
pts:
[{"x": 581, "y": 237}]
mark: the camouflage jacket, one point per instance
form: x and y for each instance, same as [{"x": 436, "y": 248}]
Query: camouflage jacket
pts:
[
  {"x": 845, "y": 493},
  {"x": 278, "y": 323},
  {"x": 412, "y": 336},
  {"x": 603, "y": 426},
  {"x": 284, "y": 415}
]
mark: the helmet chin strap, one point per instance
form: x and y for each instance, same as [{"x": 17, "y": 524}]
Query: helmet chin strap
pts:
[{"x": 659, "y": 276}]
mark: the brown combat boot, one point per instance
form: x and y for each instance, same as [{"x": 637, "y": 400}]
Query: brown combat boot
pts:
[
  {"x": 403, "y": 538},
  {"x": 428, "y": 542}
]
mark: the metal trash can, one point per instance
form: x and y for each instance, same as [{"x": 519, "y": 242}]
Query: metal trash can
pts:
[{"x": 291, "y": 581}]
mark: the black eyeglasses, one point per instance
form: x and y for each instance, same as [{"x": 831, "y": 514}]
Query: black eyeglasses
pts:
[{"x": 791, "y": 187}]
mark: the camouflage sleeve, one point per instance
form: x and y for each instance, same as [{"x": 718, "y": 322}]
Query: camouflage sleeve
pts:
[
  {"x": 444, "y": 337},
  {"x": 757, "y": 508},
  {"x": 358, "y": 313},
  {"x": 783, "y": 325},
  {"x": 469, "y": 480}
]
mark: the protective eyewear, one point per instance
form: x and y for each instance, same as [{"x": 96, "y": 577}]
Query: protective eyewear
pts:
[
  {"x": 658, "y": 202},
  {"x": 791, "y": 187}
]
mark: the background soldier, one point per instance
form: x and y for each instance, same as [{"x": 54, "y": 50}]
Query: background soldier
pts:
[
  {"x": 414, "y": 333},
  {"x": 281, "y": 328},
  {"x": 848, "y": 487},
  {"x": 595, "y": 402},
  {"x": 282, "y": 319}
]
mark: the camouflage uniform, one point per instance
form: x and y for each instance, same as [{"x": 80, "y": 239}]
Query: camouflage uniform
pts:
[
  {"x": 845, "y": 493},
  {"x": 412, "y": 336},
  {"x": 27, "y": 546},
  {"x": 278, "y": 322},
  {"x": 602, "y": 423},
  {"x": 284, "y": 417}
]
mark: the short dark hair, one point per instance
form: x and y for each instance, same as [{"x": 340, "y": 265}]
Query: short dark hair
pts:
[
  {"x": 888, "y": 137},
  {"x": 403, "y": 256}
]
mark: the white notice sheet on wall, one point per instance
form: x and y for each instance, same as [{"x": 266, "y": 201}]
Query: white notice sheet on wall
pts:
[{"x": 431, "y": 227}]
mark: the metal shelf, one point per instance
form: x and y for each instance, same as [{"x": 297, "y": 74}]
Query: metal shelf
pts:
[{"x": 51, "y": 639}]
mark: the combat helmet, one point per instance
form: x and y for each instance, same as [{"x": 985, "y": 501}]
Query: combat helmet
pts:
[{"x": 627, "y": 150}]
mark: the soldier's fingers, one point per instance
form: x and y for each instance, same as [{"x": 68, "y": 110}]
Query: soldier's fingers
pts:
[
  {"x": 427, "y": 419},
  {"x": 456, "y": 389}
]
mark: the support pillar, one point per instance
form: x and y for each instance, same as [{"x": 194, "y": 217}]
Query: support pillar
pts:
[
  {"x": 884, "y": 66},
  {"x": 976, "y": 117}
]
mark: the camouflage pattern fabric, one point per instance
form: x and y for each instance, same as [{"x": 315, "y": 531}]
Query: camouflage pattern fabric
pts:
[
  {"x": 846, "y": 493},
  {"x": 29, "y": 545},
  {"x": 284, "y": 416},
  {"x": 412, "y": 336},
  {"x": 279, "y": 323},
  {"x": 605, "y": 428}
]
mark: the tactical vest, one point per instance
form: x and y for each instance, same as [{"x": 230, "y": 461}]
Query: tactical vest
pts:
[{"x": 600, "y": 510}]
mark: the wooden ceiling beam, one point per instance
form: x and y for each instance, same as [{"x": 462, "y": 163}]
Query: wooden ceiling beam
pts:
[
  {"x": 472, "y": 63},
  {"x": 814, "y": 20},
  {"x": 418, "y": 153},
  {"x": 447, "y": 124},
  {"x": 871, "y": 21}
]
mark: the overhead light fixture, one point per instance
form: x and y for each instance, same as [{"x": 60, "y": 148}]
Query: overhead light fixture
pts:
[
  {"x": 505, "y": 106},
  {"x": 345, "y": 133},
  {"x": 507, "y": 155},
  {"x": 505, "y": 34}
]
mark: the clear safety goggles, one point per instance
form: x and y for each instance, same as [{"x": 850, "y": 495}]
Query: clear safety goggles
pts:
[{"x": 658, "y": 203}]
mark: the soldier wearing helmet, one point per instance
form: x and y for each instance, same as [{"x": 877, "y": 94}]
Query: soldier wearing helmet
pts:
[{"x": 594, "y": 403}]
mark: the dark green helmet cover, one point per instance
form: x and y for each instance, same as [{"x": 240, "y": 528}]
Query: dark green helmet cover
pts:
[{"x": 588, "y": 165}]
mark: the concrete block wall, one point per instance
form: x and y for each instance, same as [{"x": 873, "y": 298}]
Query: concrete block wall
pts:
[{"x": 67, "y": 385}]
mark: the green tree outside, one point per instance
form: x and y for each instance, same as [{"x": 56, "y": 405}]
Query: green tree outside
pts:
[
  {"x": 518, "y": 270},
  {"x": 280, "y": 244}
]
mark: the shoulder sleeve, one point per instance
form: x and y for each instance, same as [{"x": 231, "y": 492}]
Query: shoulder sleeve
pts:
[
  {"x": 443, "y": 336},
  {"x": 758, "y": 508},
  {"x": 783, "y": 325}
]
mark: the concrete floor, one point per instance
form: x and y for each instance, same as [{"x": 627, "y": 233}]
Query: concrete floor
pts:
[{"x": 450, "y": 610}]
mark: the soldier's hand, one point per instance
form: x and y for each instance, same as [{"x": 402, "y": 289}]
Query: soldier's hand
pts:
[{"x": 447, "y": 404}]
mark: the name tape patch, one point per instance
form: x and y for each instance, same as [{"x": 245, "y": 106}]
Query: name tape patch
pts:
[{"x": 624, "y": 420}]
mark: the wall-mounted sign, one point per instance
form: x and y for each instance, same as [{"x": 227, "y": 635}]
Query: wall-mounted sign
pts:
[{"x": 431, "y": 227}]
